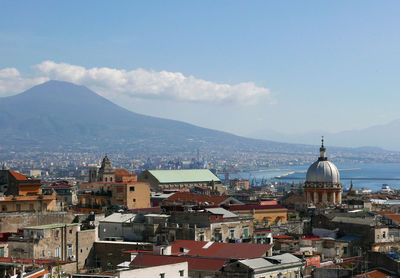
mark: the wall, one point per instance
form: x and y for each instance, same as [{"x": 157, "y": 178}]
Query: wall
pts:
[
  {"x": 84, "y": 246},
  {"x": 109, "y": 254},
  {"x": 11, "y": 222}
]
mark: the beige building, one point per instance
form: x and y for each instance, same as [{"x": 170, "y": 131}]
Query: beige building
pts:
[
  {"x": 64, "y": 242},
  {"x": 131, "y": 195},
  {"x": 28, "y": 203}
]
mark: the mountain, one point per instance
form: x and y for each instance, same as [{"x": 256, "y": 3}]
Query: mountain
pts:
[
  {"x": 374, "y": 138},
  {"x": 58, "y": 115},
  {"x": 63, "y": 117}
]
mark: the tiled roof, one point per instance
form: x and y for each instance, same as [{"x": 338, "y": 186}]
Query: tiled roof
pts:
[
  {"x": 392, "y": 216},
  {"x": 283, "y": 237},
  {"x": 254, "y": 206},
  {"x": 186, "y": 197},
  {"x": 121, "y": 172},
  {"x": 18, "y": 176},
  {"x": 147, "y": 260},
  {"x": 27, "y": 198},
  {"x": 151, "y": 209},
  {"x": 220, "y": 249},
  {"x": 192, "y": 175},
  {"x": 373, "y": 274},
  {"x": 30, "y": 261}
]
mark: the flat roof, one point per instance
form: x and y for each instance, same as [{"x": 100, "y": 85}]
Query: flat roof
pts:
[
  {"x": 51, "y": 226},
  {"x": 190, "y": 175}
]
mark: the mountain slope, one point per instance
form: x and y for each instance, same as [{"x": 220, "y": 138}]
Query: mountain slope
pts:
[{"x": 59, "y": 113}]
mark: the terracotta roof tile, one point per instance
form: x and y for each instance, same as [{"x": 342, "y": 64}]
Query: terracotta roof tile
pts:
[
  {"x": 254, "y": 206},
  {"x": 186, "y": 197},
  {"x": 18, "y": 176},
  {"x": 220, "y": 249},
  {"x": 146, "y": 260},
  {"x": 374, "y": 274}
]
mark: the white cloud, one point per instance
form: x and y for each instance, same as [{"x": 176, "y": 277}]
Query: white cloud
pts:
[
  {"x": 12, "y": 82},
  {"x": 138, "y": 84}
]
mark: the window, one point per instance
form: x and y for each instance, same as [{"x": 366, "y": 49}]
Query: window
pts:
[
  {"x": 132, "y": 188},
  {"x": 162, "y": 275},
  {"x": 345, "y": 250},
  {"x": 56, "y": 234},
  {"x": 232, "y": 233},
  {"x": 57, "y": 252},
  {"x": 43, "y": 253},
  {"x": 181, "y": 273},
  {"x": 70, "y": 231},
  {"x": 3, "y": 208},
  {"x": 110, "y": 178},
  {"x": 2, "y": 252},
  {"x": 69, "y": 250},
  {"x": 134, "y": 200},
  {"x": 246, "y": 232},
  {"x": 384, "y": 234}
]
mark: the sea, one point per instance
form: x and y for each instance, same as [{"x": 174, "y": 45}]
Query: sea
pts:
[{"x": 370, "y": 176}]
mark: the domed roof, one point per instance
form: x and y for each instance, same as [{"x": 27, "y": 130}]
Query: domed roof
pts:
[{"x": 322, "y": 170}]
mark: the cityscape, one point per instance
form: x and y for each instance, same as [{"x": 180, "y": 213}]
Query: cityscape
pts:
[{"x": 199, "y": 139}]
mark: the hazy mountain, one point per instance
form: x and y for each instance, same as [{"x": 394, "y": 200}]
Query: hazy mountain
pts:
[
  {"x": 59, "y": 114},
  {"x": 385, "y": 136}
]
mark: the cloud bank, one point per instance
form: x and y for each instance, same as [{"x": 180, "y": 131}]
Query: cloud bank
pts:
[{"x": 137, "y": 84}]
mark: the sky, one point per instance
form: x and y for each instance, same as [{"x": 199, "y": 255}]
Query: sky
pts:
[{"x": 252, "y": 68}]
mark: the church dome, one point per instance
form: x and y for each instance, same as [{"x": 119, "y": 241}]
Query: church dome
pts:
[{"x": 322, "y": 170}]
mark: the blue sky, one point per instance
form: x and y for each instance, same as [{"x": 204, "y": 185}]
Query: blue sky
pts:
[{"x": 314, "y": 65}]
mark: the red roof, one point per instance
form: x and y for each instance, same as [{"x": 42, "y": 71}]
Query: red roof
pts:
[
  {"x": 283, "y": 237},
  {"x": 187, "y": 197},
  {"x": 121, "y": 172},
  {"x": 220, "y": 249},
  {"x": 253, "y": 206},
  {"x": 31, "y": 261},
  {"x": 18, "y": 176},
  {"x": 151, "y": 209},
  {"x": 262, "y": 231},
  {"x": 374, "y": 274},
  {"x": 310, "y": 237},
  {"x": 146, "y": 260}
]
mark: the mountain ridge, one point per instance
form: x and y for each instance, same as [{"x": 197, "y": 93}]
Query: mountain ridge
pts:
[{"x": 59, "y": 116}]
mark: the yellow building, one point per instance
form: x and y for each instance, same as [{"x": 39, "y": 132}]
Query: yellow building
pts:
[
  {"x": 262, "y": 213},
  {"x": 28, "y": 203}
]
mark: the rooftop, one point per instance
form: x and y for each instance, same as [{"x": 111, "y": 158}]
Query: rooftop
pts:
[
  {"x": 51, "y": 226},
  {"x": 220, "y": 249},
  {"x": 255, "y": 207},
  {"x": 270, "y": 261},
  {"x": 186, "y": 197},
  {"x": 147, "y": 260},
  {"x": 192, "y": 175},
  {"x": 119, "y": 217},
  {"x": 225, "y": 213}
]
